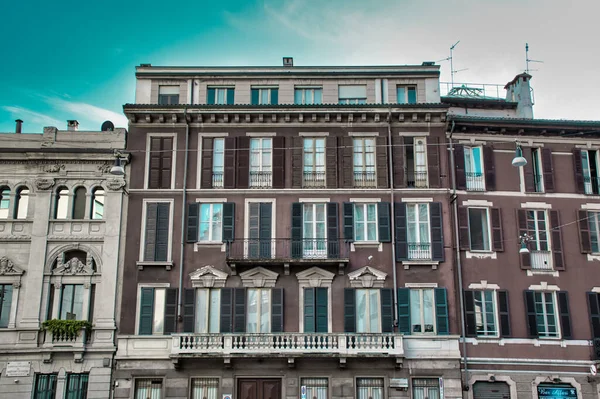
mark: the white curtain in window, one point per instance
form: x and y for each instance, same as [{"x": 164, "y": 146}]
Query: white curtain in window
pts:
[
  {"x": 252, "y": 316},
  {"x": 214, "y": 311},
  {"x": 353, "y": 91},
  {"x": 265, "y": 311},
  {"x": 361, "y": 311},
  {"x": 428, "y": 304},
  {"x": 415, "y": 311},
  {"x": 201, "y": 310},
  {"x": 205, "y": 388}
]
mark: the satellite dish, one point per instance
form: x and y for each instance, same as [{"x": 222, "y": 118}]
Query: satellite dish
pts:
[{"x": 107, "y": 126}]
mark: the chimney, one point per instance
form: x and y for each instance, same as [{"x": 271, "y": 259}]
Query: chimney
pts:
[
  {"x": 72, "y": 125},
  {"x": 19, "y": 126},
  {"x": 288, "y": 62},
  {"x": 518, "y": 90}
]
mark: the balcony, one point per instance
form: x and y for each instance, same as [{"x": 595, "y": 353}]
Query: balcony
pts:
[
  {"x": 475, "y": 181},
  {"x": 313, "y": 179},
  {"x": 365, "y": 179},
  {"x": 66, "y": 341},
  {"x": 77, "y": 229},
  {"x": 416, "y": 180},
  {"x": 541, "y": 260},
  {"x": 217, "y": 180},
  {"x": 16, "y": 229},
  {"x": 262, "y": 179},
  {"x": 419, "y": 251},
  {"x": 591, "y": 185}
]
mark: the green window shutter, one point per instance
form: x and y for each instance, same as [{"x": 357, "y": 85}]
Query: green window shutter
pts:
[
  {"x": 437, "y": 236},
  {"x": 387, "y": 310},
  {"x": 504, "y": 313},
  {"x": 349, "y": 310},
  {"x": 348, "y": 221},
  {"x": 193, "y": 213},
  {"x": 146, "y": 311},
  {"x": 228, "y": 222},
  {"x": 170, "y": 311},
  {"x": 322, "y": 311},
  {"x": 150, "y": 234},
  {"x": 254, "y": 96},
  {"x": 333, "y": 235},
  {"x": 45, "y": 386},
  {"x": 530, "y": 313},
  {"x": 210, "y": 96},
  {"x": 239, "y": 310},
  {"x": 230, "y": 96},
  {"x": 412, "y": 95},
  {"x": 565, "y": 318},
  {"x": 471, "y": 325},
  {"x": 189, "y": 310},
  {"x": 441, "y": 311},
  {"x": 309, "y": 310},
  {"x": 404, "y": 311},
  {"x": 5, "y": 301},
  {"x": 385, "y": 222},
  {"x": 226, "y": 310},
  {"x": 594, "y": 308},
  {"x": 401, "y": 231},
  {"x": 274, "y": 96},
  {"x": 276, "y": 310},
  {"x": 297, "y": 219},
  {"x": 162, "y": 232}
]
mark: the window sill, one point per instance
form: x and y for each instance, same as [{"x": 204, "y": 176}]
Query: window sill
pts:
[
  {"x": 593, "y": 257},
  {"x": 553, "y": 273},
  {"x": 166, "y": 265},
  {"x": 481, "y": 255},
  {"x": 366, "y": 244},
  {"x": 209, "y": 244},
  {"x": 423, "y": 262}
]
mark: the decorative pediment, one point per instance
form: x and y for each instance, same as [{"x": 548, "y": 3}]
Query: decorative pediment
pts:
[
  {"x": 315, "y": 277},
  {"x": 259, "y": 277},
  {"x": 367, "y": 277},
  {"x": 74, "y": 266},
  {"x": 8, "y": 268},
  {"x": 208, "y": 277}
]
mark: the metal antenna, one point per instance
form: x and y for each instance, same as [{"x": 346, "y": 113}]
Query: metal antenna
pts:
[
  {"x": 527, "y": 60},
  {"x": 451, "y": 58}
]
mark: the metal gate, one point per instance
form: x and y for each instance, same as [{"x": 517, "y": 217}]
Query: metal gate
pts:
[{"x": 491, "y": 390}]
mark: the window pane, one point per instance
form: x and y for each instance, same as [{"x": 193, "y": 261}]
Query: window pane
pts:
[
  {"x": 5, "y": 302},
  {"x": 298, "y": 96},
  {"x": 401, "y": 95},
  {"x": 98, "y": 204},
  {"x": 412, "y": 95},
  {"x": 374, "y": 311},
  {"x": 428, "y": 310},
  {"x": 252, "y": 316},
  {"x": 205, "y": 222},
  {"x": 66, "y": 305},
  {"x": 593, "y": 220},
  {"x": 214, "y": 311},
  {"x": 158, "y": 321},
  {"x": 318, "y": 99},
  {"x": 4, "y": 203},
  {"x": 217, "y": 222},
  {"x": 361, "y": 311},
  {"x": 478, "y": 229},
  {"x": 415, "y": 311},
  {"x": 201, "y": 309},
  {"x": 477, "y": 167},
  {"x": 316, "y": 388},
  {"x": 148, "y": 389},
  {"x": 62, "y": 203},
  {"x": 78, "y": 302},
  {"x": 265, "y": 311},
  {"x": 22, "y": 204},
  {"x": 264, "y": 96},
  {"x": 79, "y": 200},
  {"x": 205, "y": 388}
]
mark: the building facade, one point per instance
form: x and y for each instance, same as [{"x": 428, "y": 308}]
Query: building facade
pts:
[
  {"x": 60, "y": 223},
  {"x": 278, "y": 246}
]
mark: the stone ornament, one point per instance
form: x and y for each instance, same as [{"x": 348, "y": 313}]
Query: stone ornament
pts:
[
  {"x": 54, "y": 168},
  {"x": 44, "y": 184},
  {"x": 75, "y": 266},
  {"x": 8, "y": 267},
  {"x": 115, "y": 184}
]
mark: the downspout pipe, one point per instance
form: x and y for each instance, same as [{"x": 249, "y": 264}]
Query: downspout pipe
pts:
[
  {"x": 392, "y": 211},
  {"x": 183, "y": 212},
  {"x": 461, "y": 297}
]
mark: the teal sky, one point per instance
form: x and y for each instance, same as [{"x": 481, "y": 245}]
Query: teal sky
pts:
[{"x": 75, "y": 59}]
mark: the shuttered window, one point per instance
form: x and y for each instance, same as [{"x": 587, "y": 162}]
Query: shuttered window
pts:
[
  {"x": 474, "y": 168},
  {"x": 423, "y": 311},
  {"x": 594, "y": 309},
  {"x": 45, "y": 386},
  {"x": 207, "y": 309},
  {"x": 158, "y": 230},
  {"x": 148, "y": 388},
  {"x": 593, "y": 219},
  {"x": 314, "y": 162},
  {"x": 368, "y": 307},
  {"x": 205, "y": 388},
  {"x": 220, "y": 95},
  {"x": 258, "y": 305},
  {"x": 352, "y": 94},
  {"x": 316, "y": 310},
  {"x": 419, "y": 231},
  {"x": 168, "y": 95},
  {"x": 316, "y": 388},
  {"x": 545, "y": 310},
  {"x": 487, "y": 313},
  {"x": 417, "y": 223},
  {"x": 264, "y": 96},
  {"x": 406, "y": 94},
  {"x": 77, "y": 386},
  {"x": 157, "y": 311},
  {"x": 160, "y": 163},
  {"x": 479, "y": 229},
  {"x": 364, "y": 162},
  {"x": 261, "y": 163},
  {"x": 368, "y": 310},
  {"x": 6, "y": 291},
  {"x": 211, "y": 223},
  {"x": 365, "y": 222},
  {"x": 588, "y": 166}
]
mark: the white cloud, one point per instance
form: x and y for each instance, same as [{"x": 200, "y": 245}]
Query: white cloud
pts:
[
  {"x": 33, "y": 117},
  {"x": 87, "y": 112}
]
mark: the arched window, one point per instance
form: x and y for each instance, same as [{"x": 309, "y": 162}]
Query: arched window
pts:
[
  {"x": 61, "y": 207},
  {"x": 79, "y": 203},
  {"x": 22, "y": 203},
  {"x": 4, "y": 202},
  {"x": 98, "y": 203}
]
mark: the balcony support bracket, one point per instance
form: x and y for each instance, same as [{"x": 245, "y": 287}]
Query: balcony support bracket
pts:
[
  {"x": 227, "y": 362},
  {"x": 399, "y": 363},
  {"x": 78, "y": 357},
  {"x": 233, "y": 269},
  {"x": 47, "y": 357},
  {"x": 342, "y": 362},
  {"x": 286, "y": 269},
  {"x": 291, "y": 362},
  {"x": 176, "y": 363},
  {"x": 341, "y": 268}
]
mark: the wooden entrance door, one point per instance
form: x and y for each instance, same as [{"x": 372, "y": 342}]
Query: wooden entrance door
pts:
[{"x": 261, "y": 388}]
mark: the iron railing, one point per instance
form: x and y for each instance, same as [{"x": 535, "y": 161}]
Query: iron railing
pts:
[
  {"x": 313, "y": 179},
  {"x": 262, "y": 179},
  {"x": 475, "y": 181},
  {"x": 419, "y": 251},
  {"x": 541, "y": 260},
  {"x": 286, "y": 249},
  {"x": 365, "y": 179},
  {"x": 416, "y": 180},
  {"x": 217, "y": 180},
  {"x": 472, "y": 90}
]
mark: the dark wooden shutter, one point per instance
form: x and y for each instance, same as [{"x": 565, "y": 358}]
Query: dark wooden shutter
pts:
[
  {"x": 266, "y": 209},
  {"x": 210, "y": 96},
  {"x": 274, "y": 96},
  {"x": 497, "y": 238},
  {"x": 228, "y": 233},
  {"x": 548, "y": 170},
  {"x": 276, "y": 310},
  {"x": 170, "y": 311},
  {"x": 585, "y": 240},
  {"x": 433, "y": 162},
  {"x": 382, "y": 163},
  {"x": 150, "y": 234},
  {"x": 437, "y": 231},
  {"x": 193, "y": 217},
  {"x": 441, "y": 311},
  {"x": 504, "y": 313},
  {"x": 162, "y": 232},
  {"x": 387, "y": 310},
  {"x": 348, "y": 221},
  {"x": 226, "y": 310},
  {"x": 331, "y": 162},
  {"x": 254, "y": 96},
  {"x": 594, "y": 308},
  {"x": 322, "y": 310},
  {"x": 489, "y": 165},
  {"x": 207, "y": 162},
  {"x": 239, "y": 310},
  {"x": 528, "y": 170},
  {"x": 166, "y": 162},
  {"x": 532, "y": 330},
  {"x": 385, "y": 222},
  {"x": 471, "y": 324},
  {"x": 230, "y": 96},
  {"x": 155, "y": 162},
  {"x": 189, "y": 310},
  {"x": 278, "y": 166},
  {"x": 297, "y": 247},
  {"x": 297, "y": 164},
  {"x": 459, "y": 163},
  {"x": 464, "y": 235},
  {"x": 557, "y": 248},
  {"x": 565, "y": 317},
  {"x": 349, "y": 310},
  {"x": 146, "y": 311},
  {"x": 333, "y": 234},
  {"x": 229, "y": 163},
  {"x": 401, "y": 232},
  {"x": 243, "y": 162},
  {"x": 347, "y": 162},
  {"x": 309, "y": 310},
  {"x": 578, "y": 169},
  {"x": 398, "y": 156},
  {"x": 522, "y": 224},
  {"x": 404, "y": 311}
]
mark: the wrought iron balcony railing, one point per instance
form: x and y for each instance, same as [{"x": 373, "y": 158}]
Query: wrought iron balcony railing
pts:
[
  {"x": 419, "y": 251},
  {"x": 541, "y": 260},
  {"x": 313, "y": 179},
  {"x": 416, "y": 179},
  {"x": 591, "y": 184},
  {"x": 365, "y": 179},
  {"x": 475, "y": 181},
  {"x": 286, "y": 250},
  {"x": 217, "y": 180},
  {"x": 262, "y": 179}
]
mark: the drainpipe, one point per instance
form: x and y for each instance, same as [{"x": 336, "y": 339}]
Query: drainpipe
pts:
[
  {"x": 183, "y": 209},
  {"x": 458, "y": 260},
  {"x": 392, "y": 210}
]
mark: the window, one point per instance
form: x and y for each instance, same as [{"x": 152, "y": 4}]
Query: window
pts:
[
  {"x": 208, "y": 303},
  {"x": 426, "y": 388},
  {"x": 406, "y": 94},
  {"x": 594, "y": 225},
  {"x": 474, "y": 168},
  {"x": 157, "y": 310},
  {"x": 264, "y": 96},
  {"x": 369, "y": 388},
  {"x": 205, "y": 388},
  {"x": 316, "y": 310},
  {"x": 539, "y": 246},
  {"x": 308, "y": 95},
  {"x": 4, "y": 202},
  {"x": 422, "y": 314},
  {"x": 259, "y": 310},
  {"x": 261, "y": 158},
  {"x": 416, "y": 162},
  {"x": 211, "y": 222},
  {"x": 314, "y": 231},
  {"x": 368, "y": 307},
  {"x": 479, "y": 230},
  {"x": 364, "y": 162},
  {"x": 545, "y": 315},
  {"x": 71, "y": 303},
  {"x": 536, "y": 165},
  {"x": 591, "y": 171},
  {"x": 316, "y": 388},
  {"x": 6, "y": 291},
  {"x": 61, "y": 208},
  {"x": 260, "y": 229},
  {"x": 365, "y": 222},
  {"x": 168, "y": 95},
  {"x": 77, "y": 386},
  {"x": 218, "y": 166},
  {"x": 98, "y": 203},
  {"x": 356, "y": 94},
  {"x": 45, "y": 386},
  {"x": 79, "y": 200},
  {"x": 485, "y": 313},
  {"x": 220, "y": 95},
  {"x": 419, "y": 241},
  {"x": 160, "y": 162},
  {"x": 157, "y": 232},
  {"x": 22, "y": 203},
  {"x": 148, "y": 388},
  {"x": 314, "y": 162}
]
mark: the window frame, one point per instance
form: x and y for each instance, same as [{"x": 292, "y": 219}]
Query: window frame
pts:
[
  {"x": 352, "y": 100},
  {"x": 247, "y": 202},
  {"x": 478, "y": 178},
  {"x": 547, "y": 230},
  {"x": 303, "y": 90},
  {"x": 259, "y": 311},
  {"x": 94, "y": 195},
  {"x": 595, "y": 229},
  {"x": 80, "y": 194},
  {"x": 66, "y": 194},
  {"x": 136, "y": 380},
  {"x": 61, "y": 302},
  {"x": 5, "y": 202},
  {"x": 207, "y": 311},
  {"x": 361, "y": 146},
  {"x": 35, "y": 393},
  {"x": 304, "y": 380},
  {"x": 219, "y": 89},
  {"x": 21, "y": 202},
  {"x": 422, "y": 311},
  {"x": 314, "y": 169},
  {"x": 3, "y": 299},
  {"x": 369, "y": 387},
  {"x": 313, "y": 224},
  {"x": 555, "y": 310},
  {"x": 149, "y": 138},
  {"x": 426, "y": 387},
  {"x": 483, "y": 313},
  {"x": 261, "y": 89},
  {"x": 138, "y": 308},
  {"x": 145, "y": 203},
  {"x": 218, "y": 152},
  {"x": 82, "y": 392},
  {"x": 406, "y": 89},
  {"x": 366, "y": 222},
  {"x": 260, "y": 168},
  {"x": 172, "y": 99},
  {"x": 586, "y": 166},
  {"x": 211, "y": 239},
  {"x": 206, "y": 378},
  {"x": 366, "y": 316},
  {"x": 489, "y": 229}
]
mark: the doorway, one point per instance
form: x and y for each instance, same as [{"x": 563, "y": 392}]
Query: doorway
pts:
[{"x": 259, "y": 388}]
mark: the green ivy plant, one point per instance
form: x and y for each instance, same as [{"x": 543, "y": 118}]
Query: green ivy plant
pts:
[{"x": 70, "y": 328}]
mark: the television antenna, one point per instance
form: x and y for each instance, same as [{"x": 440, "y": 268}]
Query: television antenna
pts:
[
  {"x": 527, "y": 60},
  {"x": 451, "y": 59}
]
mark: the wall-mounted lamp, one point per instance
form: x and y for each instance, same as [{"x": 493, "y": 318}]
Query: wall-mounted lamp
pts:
[
  {"x": 525, "y": 238},
  {"x": 519, "y": 160},
  {"x": 117, "y": 169}
]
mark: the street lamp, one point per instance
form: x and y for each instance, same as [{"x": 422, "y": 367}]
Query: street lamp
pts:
[
  {"x": 117, "y": 169},
  {"x": 519, "y": 160},
  {"x": 525, "y": 238}
]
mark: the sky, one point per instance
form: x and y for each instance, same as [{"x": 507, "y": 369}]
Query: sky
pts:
[{"x": 76, "y": 59}]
